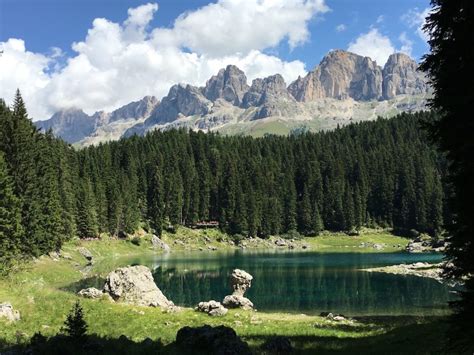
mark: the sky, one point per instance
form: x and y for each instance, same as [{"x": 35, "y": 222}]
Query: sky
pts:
[{"x": 102, "y": 54}]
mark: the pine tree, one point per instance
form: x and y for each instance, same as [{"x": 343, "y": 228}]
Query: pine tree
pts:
[{"x": 75, "y": 325}]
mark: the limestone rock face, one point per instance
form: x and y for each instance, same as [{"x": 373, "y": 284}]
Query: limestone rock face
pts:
[
  {"x": 401, "y": 76},
  {"x": 7, "y": 311},
  {"x": 230, "y": 84},
  {"x": 135, "y": 285},
  {"x": 135, "y": 110},
  {"x": 182, "y": 100},
  {"x": 159, "y": 244},
  {"x": 213, "y": 308},
  {"x": 270, "y": 96},
  {"x": 340, "y": 75},
  {"x": 240, "y": 281}
]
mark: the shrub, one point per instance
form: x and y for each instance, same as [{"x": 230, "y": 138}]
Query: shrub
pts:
[{"x": 136, "y": 241}]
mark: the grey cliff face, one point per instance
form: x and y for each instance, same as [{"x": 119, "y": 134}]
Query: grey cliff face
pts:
[
  {"x": 268, "y": 95},
  {"x": 340, "y": 75},
  {"x": 401, "y": 76},
  {"x": 183, "y": 100},
  {"x": 229, "y": 84},
  {"x": 70, "y": 124},
  {"x": 136, "y": 109}
]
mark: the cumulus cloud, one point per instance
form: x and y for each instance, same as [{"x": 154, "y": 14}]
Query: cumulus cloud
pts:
[
  {"x": 341, "y": 28},
  {"x": 416, "y": 19},
  {"x": 373, "y": 44},
  {"x": 120, "y": 62}
]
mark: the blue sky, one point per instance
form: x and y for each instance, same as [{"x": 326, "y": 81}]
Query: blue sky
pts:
[{"x": 171, "y": 41}]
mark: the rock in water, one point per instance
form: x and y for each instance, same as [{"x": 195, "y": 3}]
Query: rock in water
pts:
[
  {"x": 159, "y": 244},
  {"x": 209, "y": 340},
  {"x": 240, "y": 281},
  {"x": 213, "y": 308},
  {"x": 7, "y": 311},
  {"x": 135, "y": 285},
  {"x": 90, "y": 292}
]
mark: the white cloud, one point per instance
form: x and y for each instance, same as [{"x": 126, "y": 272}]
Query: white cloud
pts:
[
  {"x": 240, "y": 26},
  {"x": 416, "y": 19},
  {"x": 373, "y": 44},
  {"x": 380, "y": 19},
  {"x": 341, "y": 28},
  {"x": 407, "y": 44},
  {"x": 117, "y": 63}
]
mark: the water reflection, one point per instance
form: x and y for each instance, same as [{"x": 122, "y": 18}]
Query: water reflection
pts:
[{"x": 303, "y": 282}]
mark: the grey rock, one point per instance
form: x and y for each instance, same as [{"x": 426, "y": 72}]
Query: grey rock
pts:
[
  {"x": 230, "y": 84},
  {"x": 401, "y": 76},
  {"x": 135, "y": 285},
  {"x": 159, "y": 244},
  {"x": 135, "y": 109},
  {"x": 71, "y": 124},
  {"x": 219, "y": 340},
  {"x": 213, "y": 308},
  {"x": 236, "y": 301},
  {"x": 91, "y": 292},
  {"x": 182, "y": 100},
  {"x": 85, "y": 253},
  {"x": 280, "y": 242},
  {"x": 270, "y": 95},
  {"x": 240, "y": 281},
  {"x": 7, "y": 311},
  {"x": 340, "y": 75}
]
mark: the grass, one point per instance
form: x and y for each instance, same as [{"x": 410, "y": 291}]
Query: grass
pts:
[{"x": 41, "y": 291}]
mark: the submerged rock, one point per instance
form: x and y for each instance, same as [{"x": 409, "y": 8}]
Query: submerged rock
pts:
[
  {"x": 135, "y": 285},
  {"x": 7, "y": 311},
  {"x": 213, "y": 308},
  {"x": 209, "y": 340}
]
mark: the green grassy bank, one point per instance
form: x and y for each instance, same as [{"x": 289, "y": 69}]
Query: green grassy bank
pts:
[{"x": 41, "y": 291}]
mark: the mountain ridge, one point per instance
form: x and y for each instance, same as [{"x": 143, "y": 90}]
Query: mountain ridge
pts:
[{"x": 343, "y": 81}]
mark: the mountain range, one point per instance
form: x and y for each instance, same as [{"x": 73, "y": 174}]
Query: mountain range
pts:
[{"x": 343, "y": 88}]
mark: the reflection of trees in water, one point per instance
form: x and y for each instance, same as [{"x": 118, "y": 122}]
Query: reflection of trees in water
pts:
[{"x": 307, "y": 287}]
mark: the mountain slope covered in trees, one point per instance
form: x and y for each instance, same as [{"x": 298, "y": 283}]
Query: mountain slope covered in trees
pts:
[{"x": 381, "y": 173}]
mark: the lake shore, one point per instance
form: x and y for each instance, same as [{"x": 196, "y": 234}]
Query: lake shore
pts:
[{"x": 40, "y": 290}]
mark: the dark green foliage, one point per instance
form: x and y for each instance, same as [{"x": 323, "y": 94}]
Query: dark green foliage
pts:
[
  {"x": 449, "y": 68},
  {"x": 381, "y": 173},
  {"x": 75, "y": 326}
]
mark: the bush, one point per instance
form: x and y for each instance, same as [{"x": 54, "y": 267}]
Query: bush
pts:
[{"x": 291, "y": 234}]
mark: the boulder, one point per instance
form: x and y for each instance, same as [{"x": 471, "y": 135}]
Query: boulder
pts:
[
  {"x": 7, "y": 311},
  {"x": 159, "y": 244},
  {"x": 278, "y": 345},
  {"x": 236, "y": 301},
  {"x": 280, "y": 242},
  {"x": 240, "y": 281},
  {"x": 135, "y": 285},
  {"x": 90, "y": 292},
  {"x": 208, "y": 340},
  {"x": 416, "y": 247},
  {"x": 213, "y": 308},
  {"x": 85, "y": 253}
]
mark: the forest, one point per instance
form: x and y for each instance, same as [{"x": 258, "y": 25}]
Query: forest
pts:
[{"x": 383, "y": 173}]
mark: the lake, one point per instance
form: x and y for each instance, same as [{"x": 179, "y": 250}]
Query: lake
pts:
[{"x": 306, "y": 282}]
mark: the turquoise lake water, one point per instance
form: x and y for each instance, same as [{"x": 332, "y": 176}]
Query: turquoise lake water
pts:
[{"x": 307, "y": 282}]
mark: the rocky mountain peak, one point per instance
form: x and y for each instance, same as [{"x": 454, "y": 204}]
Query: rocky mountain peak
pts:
[
  {"x": 340, "y": 75},
  {"x": 136, "y": 109},
  {"x": 230, "y": 84},
  {"x": 401, "y": 76}
]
